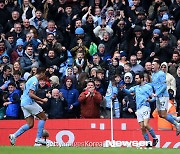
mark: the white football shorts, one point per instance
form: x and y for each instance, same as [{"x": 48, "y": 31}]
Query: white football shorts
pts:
[
  {"x": 32, "y": 109},
  {"x": 143, "y": 113},
  {"x": 162, "y": 103}
]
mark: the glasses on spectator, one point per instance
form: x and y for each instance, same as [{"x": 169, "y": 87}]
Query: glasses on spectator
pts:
[{"x": 163, "y": 66}]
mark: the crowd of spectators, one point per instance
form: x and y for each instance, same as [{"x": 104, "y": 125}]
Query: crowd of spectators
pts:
[{"x": 89, "y": 49}]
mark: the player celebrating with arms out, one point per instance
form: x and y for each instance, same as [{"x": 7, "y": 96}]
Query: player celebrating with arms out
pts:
[
  {"x": 30, "y": 108},
  {"x": 143, "y": 93},
  {"x": 162, "y": 96}
]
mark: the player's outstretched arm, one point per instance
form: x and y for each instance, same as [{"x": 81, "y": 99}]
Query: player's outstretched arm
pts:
[{"x": 129, "y": 91}]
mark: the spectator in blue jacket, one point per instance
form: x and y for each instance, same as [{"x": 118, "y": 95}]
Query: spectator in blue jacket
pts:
[
  {"x": 12, "y": 102},
  {"x": 71, "y": 95}
]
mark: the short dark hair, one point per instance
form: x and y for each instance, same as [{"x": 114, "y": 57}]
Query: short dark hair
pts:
[
  {"x": 141, "y": 75},
  {"x": 97, "y": 79},
  {"x": 5, "y": 68},
  {"x": 128, "y": 64},
  {"x": 50, "y": 34},
  {"x": 41, "y": 70},
  {"x": 100, "y": 71},
  {"x": 17, "y": 72},
  {"x": 29, "y": 45},
  {"x": 176, "y": 52},
  {"x": 165, "y": 38},
  {"x": 116, "y": 75},
  {"x": 9, "y": 34},
  {"x": 96, "y": 54},
  {"x": 12, "y": 84},
  {"x": 157, "y": 61},
  {"x": 90, "y": 80},
  {"x": 22, "y": 81},
  {"x": 39, "y": 10}
]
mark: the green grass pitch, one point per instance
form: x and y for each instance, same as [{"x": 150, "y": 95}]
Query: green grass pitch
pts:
[{"x": 82, "y": 150}]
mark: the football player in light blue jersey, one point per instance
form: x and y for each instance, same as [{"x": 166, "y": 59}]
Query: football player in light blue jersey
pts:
[
  {"x": 143, "y": 94},
  {"x": 30, "y": 108},
  {"x": 162, "y": 96}
]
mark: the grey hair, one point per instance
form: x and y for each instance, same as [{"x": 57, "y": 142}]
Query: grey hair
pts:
[{"x": 54, "y": 90}]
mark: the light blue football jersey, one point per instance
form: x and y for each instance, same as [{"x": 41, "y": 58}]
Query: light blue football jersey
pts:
[
  {"x": 31, "y": 84},
  {"x": 142, "y": 94},
  {"x": 159, "y": 84}
]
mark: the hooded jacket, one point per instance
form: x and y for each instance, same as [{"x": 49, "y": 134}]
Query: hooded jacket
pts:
[
  {"x": 70, "y": 95},
  {"x": 171, "y": 82}
]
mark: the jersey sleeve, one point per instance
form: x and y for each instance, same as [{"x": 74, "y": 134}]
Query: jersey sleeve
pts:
[
  {"x": 150, "y": 90},
  {"x": 162, "y": 78},
  {"x": 33, "y": 85},
  {"x": 132, "y": 89},
  {"x": 129, "y": 91}
]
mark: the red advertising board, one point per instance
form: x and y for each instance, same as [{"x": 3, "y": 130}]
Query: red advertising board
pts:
[{"x": 86, "y": 132}]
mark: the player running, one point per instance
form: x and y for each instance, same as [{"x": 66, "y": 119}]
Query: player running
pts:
[
  {"x": 30, "y": 108},
  {"x": 162, "y": 96},
  {"x": 143, "y": 93}
]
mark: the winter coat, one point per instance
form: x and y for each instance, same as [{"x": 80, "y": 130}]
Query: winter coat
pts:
[
  {"x": 26, "y": 63},
  {"x": 56, "y": 108},
  {"x": 90, "y": 106},
  {"x": 171, "y": 82},
  {"x": 70, "y": 95},
  {"x": 12, "y": 109}
]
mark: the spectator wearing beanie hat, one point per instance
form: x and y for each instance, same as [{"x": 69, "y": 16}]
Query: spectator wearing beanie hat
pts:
[
  {"x": 19, "y": 42},
  {"x": 157, "y": 31},
  {"x": 123, "y": 58},
  {"x": 137, "y": 41},
  {"x": 165, "y": 19},
  {"x": 70, "y": 95},
  {"x": 18, "y": 52},
  {"x": 172, "y": 39},
  {"x": 105, "y": 57},
  {"x": 79, "y": 31},
  {"x": 80, "y": 38},
  {"x": 153, "y": 42},
  {"x": 34, "y": 68}
]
